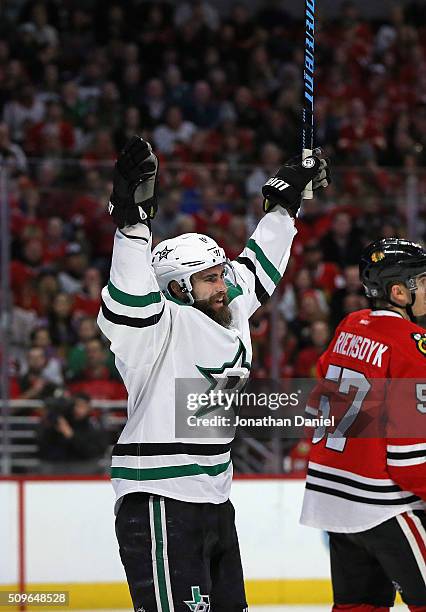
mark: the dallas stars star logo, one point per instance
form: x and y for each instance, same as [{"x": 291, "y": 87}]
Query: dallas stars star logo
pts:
[
  {"x": 199, "y": 603},
  {"x": 231, "y": 373},
  {"x": 164, "y": 253}
]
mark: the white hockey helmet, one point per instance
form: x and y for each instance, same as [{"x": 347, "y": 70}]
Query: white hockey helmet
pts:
[{"x": 179, "y": 258}]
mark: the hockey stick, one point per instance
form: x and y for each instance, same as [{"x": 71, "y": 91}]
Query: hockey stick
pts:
[{"x": 308, "y": 97}]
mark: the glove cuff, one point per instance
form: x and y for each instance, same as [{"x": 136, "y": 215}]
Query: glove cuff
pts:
[
  {"x": 128, "y": 214},
  {"x": 289, "y": 198}
]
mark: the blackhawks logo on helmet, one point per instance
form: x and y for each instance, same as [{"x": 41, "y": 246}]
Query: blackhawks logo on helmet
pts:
[
  {"x": 420, "y": 340},
  {"x": 377, "y": 256}
]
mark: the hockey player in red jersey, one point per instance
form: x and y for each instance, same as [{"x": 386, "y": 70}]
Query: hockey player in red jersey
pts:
[{"x": 366, "y": 482}]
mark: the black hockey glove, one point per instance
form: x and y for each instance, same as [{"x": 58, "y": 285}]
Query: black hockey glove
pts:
[
  {"x": 133, "y": 199},
  {"x": 286, "y": 187}
]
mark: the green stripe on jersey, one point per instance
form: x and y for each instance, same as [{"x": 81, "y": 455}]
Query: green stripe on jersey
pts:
[
  {"x": 233, "y": 292},
  {"x": 171, "y": 298},
  {"x": 159, "y": 556},
  {"x": 171, "y": 471},
  {"x": 126, "y": 299},
  {"x": 267, "y": 265}
]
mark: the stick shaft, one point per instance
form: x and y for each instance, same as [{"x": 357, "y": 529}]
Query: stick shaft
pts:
[{"x": 308, "y": 93}]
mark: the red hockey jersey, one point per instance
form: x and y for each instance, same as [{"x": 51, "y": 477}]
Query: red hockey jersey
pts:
[{"x": 370, "y": 465}]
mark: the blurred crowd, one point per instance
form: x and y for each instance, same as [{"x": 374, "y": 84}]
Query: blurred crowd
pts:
[{"x": 219, "y": 98}]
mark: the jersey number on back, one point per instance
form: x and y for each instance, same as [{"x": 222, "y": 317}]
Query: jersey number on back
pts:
[{"x": 348, "y": 380}]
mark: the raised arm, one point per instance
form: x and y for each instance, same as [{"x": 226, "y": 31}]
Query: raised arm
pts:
[
  {"x": 263, "y": 261},
  {"x": 134, "y": 314}
]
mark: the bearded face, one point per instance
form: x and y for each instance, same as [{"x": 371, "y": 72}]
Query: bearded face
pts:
[
  {"x": 217, "y": 308},
  {"x": 211, "y": 294}
]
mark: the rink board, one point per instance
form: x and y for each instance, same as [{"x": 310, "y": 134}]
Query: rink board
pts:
[{"x": 59, "y": 535}]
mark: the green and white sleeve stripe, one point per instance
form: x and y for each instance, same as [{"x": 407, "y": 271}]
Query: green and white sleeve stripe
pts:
[
  {"x": 264, "y": 259},
  {"x": 265, "y": 274},
  {"x": 131, "y": 310}
]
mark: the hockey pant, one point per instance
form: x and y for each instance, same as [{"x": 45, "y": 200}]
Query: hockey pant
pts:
[
  {"x": 180, "y": 556},
  {"x": 368, "y": 567}
]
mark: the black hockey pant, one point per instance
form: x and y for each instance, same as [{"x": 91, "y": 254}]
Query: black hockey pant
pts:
[
  {"x": 368, "y": 567},
  {"x": 180, "y": 556}
]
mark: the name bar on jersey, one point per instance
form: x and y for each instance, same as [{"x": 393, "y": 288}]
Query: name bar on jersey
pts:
[{"x": 360, "y": 347}]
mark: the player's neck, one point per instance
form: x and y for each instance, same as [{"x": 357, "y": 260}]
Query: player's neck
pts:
[{"x": 401, "y": 311}]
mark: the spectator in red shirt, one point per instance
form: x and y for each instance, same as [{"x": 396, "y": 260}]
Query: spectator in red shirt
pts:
[
  {"x": 235, "y": 238},
  {"x": 52, "y": 126},
  {"x": 54, "y": 244},
  {"x": 98, "y": 376},
  {"x": 287, "y": 347},
  {"x": 85, "y": 206},
  {"x": 312, "y": 307},
  {"x": 211, "y": 219},
  {"x": 24, "y": 272},
  {"x": 97, "y": 365},
  {"x": 101, "y": 151},
  {"x": 305, "y": 366},
  {"x": 360, "y": 139},
  {"x": 88, "y": 300},
  {"x": 290, "y": 301},
  {"x": 325, "y": 274}
]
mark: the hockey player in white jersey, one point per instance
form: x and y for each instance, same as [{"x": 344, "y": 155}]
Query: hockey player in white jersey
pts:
[{"x": 169, "y": 315}]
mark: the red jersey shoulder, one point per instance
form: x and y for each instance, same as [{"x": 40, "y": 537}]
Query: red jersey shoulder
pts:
[
  {"x": 376, "y": 338},
  {"x": 358, "y": 344},
  {"x": 402, "y": 334},
  {"x": 408, "y": 350},
  {"x": 355, "y": 318},
  {"x": 387, "y": 326}
]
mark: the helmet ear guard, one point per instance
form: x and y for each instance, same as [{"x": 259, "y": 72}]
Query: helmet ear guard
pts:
[{"x": 186, "y": 288}]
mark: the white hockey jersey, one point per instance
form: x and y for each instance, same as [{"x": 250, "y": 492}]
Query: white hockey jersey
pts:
[{"x": 156, "y": 341}]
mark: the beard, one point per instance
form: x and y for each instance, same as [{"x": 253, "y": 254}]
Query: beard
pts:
[{"x": 223, "y": 315}]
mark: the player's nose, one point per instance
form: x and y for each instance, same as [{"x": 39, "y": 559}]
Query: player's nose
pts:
[{"x": 220, "y": 285}]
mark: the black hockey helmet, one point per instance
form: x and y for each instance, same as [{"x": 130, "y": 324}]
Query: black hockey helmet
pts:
[{"x": 391, "y": 260}]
